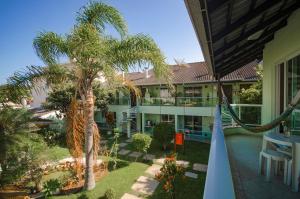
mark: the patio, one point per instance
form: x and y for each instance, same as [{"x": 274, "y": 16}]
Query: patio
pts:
[{"x": 243, "y": 153}]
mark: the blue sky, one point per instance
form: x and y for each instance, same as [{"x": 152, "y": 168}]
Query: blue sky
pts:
[{"x": 166, "y": 21}]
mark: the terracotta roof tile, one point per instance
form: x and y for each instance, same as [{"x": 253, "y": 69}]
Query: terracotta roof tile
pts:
[{"x": 194, "y": 73}]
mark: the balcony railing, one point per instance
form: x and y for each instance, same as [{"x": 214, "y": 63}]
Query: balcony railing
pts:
[
  {"x": 120, "y": 101},
  {"x": 179, "y": 101},
  {"x": 249, "y": 113},
  {"x": 218, "y": 183},
  {"x": 195, "y": 134}
]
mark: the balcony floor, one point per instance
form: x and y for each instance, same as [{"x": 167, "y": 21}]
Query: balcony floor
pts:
[{"x": 243, "y": 154}]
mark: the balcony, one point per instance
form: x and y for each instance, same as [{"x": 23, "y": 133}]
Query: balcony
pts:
[
  {"x": 120, "y": 101},
  {"x": 250, "y": 114},
  {"x": 179, "y": 101}
]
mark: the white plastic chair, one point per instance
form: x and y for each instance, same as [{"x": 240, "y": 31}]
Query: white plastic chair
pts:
[{"x": 271, "y": 155}]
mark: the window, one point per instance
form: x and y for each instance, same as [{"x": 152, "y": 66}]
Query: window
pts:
[
  {"x": 168, "y": 118},
  {"x": 193, "y": 91},
  {"x": 193, "y": 123},
  {"x": 165, "y": 93}
]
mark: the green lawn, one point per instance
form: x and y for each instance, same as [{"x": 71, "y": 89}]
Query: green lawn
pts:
[
  {"x": 123, "y": 178},
  {"x": 120, "y": 180},
  {"x": 56, "y": 153},
  {"x": 187, "y": 188}
]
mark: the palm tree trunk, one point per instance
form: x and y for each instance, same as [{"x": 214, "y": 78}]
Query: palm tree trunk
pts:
[{"x": 89, "y": 117}]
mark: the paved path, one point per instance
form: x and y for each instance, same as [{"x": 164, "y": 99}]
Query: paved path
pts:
[
  {"x": 243, "y": 154},
  {"x": 144, "y": 185}
]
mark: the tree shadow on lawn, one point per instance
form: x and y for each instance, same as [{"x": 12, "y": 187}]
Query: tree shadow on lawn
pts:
[{"x": 120, "y": 164}]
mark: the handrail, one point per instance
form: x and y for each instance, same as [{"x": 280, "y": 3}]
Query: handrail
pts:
[
  {"x": 247, "y": 105},
  {"x": 179, "y": 101},
  {"x": 218, "y": 183}
]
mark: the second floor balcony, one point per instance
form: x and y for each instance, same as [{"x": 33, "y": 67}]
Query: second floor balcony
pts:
[{"x": 179, "y": 101}]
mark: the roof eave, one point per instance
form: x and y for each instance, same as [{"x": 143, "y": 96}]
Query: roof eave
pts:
[{"x": 193, "y": 8}]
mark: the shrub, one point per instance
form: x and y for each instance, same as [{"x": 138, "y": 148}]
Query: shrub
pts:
[
  {"x": 170, "y": 173},
  {"x": 55, "y": 134},
  {"x": 141, "y": 142},
  {"x": 163, "y": 133},
  {"x": 23, "y": 160},
  {"x": 83, "y": 196},
  {"x": 51, "y": 186},
  {"x": 110, "y": 194}
]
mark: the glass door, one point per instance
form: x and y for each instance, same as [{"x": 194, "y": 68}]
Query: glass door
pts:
[{"x": 293, "y": 86}]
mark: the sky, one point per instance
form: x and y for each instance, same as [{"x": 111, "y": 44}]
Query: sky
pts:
[{"x": 166, "y": 21}]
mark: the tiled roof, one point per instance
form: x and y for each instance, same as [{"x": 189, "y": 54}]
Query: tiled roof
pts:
[{"x": 194, "y": 73}]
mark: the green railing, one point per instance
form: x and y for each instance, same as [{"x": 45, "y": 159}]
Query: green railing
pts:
[
  {"x": 179, "y": 101},
  {"x": 158, "y": 101},
  {"x": 120, "y": 101}
]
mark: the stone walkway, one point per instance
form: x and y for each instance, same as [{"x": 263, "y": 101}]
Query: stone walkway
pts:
[
  {"x": 200, "y": 167},
  {"x": 144, "y": 185},
  {"x": 123, "y": 144},
  {"x": 129, "y": 196},
  {"x": 135, "y": 154},
  {"x": 124, "y": 152}
]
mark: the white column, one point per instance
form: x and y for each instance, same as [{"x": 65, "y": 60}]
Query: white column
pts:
[
  {"x": 143, "y": 122},
  {"x": 128, "y": 124},
  {"x": 128, "y": 128},
  {"x": 176, "y": 123}
]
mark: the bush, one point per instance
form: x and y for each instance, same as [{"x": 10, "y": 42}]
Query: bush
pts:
[
  {"x": 141, "y": 142},
  {"x": 110, "y": 194},
  {"x": 51, "y": 186},
  {"x": 163, "y": 133},
  {"x": 55, "y": 134},
  {"x": 83, "y": 196},
  {"x": 169, "y": 173},
  {"x": 23, "y": 160}
]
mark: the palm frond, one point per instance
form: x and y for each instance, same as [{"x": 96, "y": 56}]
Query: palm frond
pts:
[
  {"x": 128, "y": 85},
  {"x": 49, "y": 46},
  {"x": 27, "y": 79},
  {"x": 100, "y": 14},
  {"x": 34, "y": 76},
  {"x": 138, "y": 50}
]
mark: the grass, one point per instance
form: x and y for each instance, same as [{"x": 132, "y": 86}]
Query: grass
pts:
[
  {"x": 123, "y": 178},
  {"x": 120, "y": 180},
  {"x": 56, "y": 153},
  {"x": 186, "y": 188}
]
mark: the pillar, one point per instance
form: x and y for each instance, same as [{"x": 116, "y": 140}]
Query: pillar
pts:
[
  {"x": 176, "y": 123},
  {"x": 143, "y": 122}
]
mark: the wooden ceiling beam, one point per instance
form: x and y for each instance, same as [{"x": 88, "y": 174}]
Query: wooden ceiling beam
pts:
[
  {"x": 246, "y": 18},
  {"x": 249, "y": 44},
  {"x": 262, "y": 26},
  {"x": 243, "y": 55},
  {"x": 230, "y": 68}
]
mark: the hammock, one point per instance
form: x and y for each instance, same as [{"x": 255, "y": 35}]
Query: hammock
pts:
[{"x": 267, "y": 126}]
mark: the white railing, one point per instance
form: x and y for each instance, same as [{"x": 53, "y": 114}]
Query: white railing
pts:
[{"x": 218, "y": 182}]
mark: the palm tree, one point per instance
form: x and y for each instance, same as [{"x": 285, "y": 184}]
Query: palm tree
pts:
[{"x": 92, "y": 53}]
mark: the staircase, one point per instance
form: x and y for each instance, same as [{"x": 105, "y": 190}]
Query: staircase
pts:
[{"x": 131, "y": 117}]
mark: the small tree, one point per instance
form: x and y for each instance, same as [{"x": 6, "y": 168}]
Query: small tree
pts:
[
  {"x": 168, "y": 175},
  {"x": 163, "y": 133},
  {"x": 253, "y": 95},
  {"x": 141, "y": 142}
]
